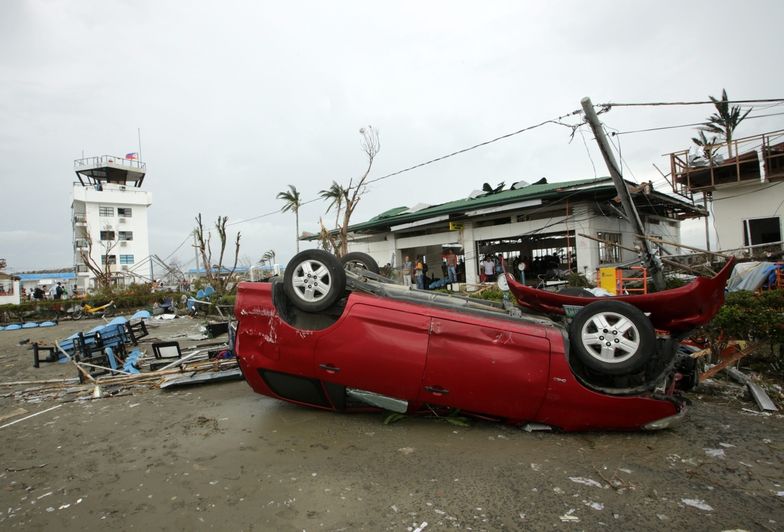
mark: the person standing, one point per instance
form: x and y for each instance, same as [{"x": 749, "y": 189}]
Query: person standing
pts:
[
  {"x": 419, "y": 273},
  {"x": 58, "y": 291},
  {"x": 408, "y": 271},
  {"x": 489, "y": 269},
  {"x": 451, "y": 266}
]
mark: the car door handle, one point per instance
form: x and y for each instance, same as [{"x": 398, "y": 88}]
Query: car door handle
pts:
[
  {"x": 436, "y": 390},
  {"x": 329, "y": 368}
]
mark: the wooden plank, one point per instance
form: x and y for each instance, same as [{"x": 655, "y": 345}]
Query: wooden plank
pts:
[{"x": 751, "y": 348}]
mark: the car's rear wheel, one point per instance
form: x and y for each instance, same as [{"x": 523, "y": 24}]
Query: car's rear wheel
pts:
[
  {"x": 314, "y": 280},
  {"x": 613, "y": 337},
  {"x": 360, "y": 260}
]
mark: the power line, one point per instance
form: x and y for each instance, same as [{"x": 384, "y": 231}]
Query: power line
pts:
[
  {"x": 699, "y": 102},
  {"x": 684, "y": 125},
  {"x": 556, "y": 121}
]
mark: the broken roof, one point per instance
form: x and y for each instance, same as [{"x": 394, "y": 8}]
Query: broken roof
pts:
[{"x": 543, "y": 191}]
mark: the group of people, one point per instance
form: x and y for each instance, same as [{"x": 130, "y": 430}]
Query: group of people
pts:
[
  {"x": 56, "y": 291},
  {"x": 415, "y": 272}
]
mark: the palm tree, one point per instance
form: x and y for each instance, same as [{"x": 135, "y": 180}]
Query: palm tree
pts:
[
  {"x": 336, "y": 195},
  {"x": 724, "y": 121},
  {"x": 708, "y": 145},
  {"x": 269, "y": 256},
  {"x": 293, "y": 202}
]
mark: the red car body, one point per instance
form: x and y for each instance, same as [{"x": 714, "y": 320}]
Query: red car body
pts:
[
  {"x": 675, "y": 310},
  {"x": 506, "y": 368}
]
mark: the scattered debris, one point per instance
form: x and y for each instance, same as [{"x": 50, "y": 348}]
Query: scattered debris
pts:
[
  {"x": 530, "y": 427},
  {"x": 760, "y": 397},
  {"x": 697, "y": 503},
  {"x": 569, "y": 517},
  {"x": 30, "y": 416},
  {"x": 715, "y": 453},
  {"x": 586, "y": 482}
]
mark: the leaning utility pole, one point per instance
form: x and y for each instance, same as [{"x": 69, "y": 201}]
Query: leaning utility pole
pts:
[{"x": 648, "y": 258}]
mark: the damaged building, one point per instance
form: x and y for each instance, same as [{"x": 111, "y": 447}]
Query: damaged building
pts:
[{"x": 526, "y": 220}]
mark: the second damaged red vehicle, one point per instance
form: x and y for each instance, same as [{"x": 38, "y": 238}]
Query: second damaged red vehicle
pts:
[{"x": 308, "y": 340}]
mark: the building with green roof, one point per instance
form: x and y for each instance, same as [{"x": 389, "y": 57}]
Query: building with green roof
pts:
[{"x": 540, "y": 221}]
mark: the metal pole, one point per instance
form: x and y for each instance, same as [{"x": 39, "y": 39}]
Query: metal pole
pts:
[
  {"x": 632, "y": 215},
  {"x": 139, "y": 133},
  {"x": 707, "y": 220},
  {"x": 196, "y": 252}
]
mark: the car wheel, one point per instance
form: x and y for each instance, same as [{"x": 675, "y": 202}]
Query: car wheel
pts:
[
  {"x": 613, "y": 337},
  {"x": 360, "y": 260},
  {"x": 314, "y": 280}
]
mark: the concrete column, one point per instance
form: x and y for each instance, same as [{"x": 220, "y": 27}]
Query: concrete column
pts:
[{"x": 469, "y": 248}]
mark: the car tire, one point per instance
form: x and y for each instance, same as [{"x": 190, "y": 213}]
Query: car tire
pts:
[
  {"x": 613, "y": 337},
  {"x": 314, "y": 280},
  {"x": 361, "y": 260}
]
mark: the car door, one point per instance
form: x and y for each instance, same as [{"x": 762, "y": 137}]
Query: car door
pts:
[
  {"x": 376, "y": 348},
  {"x": 486, "y": 367}
]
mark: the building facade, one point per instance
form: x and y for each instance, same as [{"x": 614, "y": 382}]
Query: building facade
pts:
[
  {"x": 109, "y": 214},
  {"x": 744, "y": 185},
  {"x": 541, "y": 222}
]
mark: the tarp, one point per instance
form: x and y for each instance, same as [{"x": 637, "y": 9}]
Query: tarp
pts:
[{"x": 751, "y": 276}]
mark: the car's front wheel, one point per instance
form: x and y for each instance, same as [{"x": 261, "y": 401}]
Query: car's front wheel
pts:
[
  {"x": 314, "y": 280},
  {"x": 613, "y": 337}
]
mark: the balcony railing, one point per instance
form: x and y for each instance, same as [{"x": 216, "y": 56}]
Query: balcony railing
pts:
[
  {"x": 105, "y": 160},
  {"x": 701, "y": 169}
]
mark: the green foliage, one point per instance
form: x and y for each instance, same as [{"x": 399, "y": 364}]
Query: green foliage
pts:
[
  {"x": 748, "y": 316},
  {"x": 492, "y": 293},
  {"x": 579, "y": 280},
  {"x": 674, "y": 282},
  {"x": 134, "y": 297}
]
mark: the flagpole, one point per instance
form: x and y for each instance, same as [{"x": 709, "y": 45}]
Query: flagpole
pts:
[{"x": 139, "y": 132}]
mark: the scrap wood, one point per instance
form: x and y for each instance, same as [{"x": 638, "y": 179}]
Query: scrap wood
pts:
[
  {"x": 13, "y": 413},
  {"x": 81, "y": 370},
  {"x": 48, "y": 381},
  {"x": 701, "y": 353},
  {"x": 749, "y": 349},
  {"x": 30, "y": 416},
  {"x": 17, "y": 469},
  {"x": 669, "y": 262}
]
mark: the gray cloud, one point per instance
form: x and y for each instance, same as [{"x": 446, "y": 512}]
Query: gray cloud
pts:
[{"x": 236, "y": 100}]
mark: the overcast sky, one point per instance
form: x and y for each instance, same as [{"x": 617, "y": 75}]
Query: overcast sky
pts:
[{"x": 236, "y": 100}]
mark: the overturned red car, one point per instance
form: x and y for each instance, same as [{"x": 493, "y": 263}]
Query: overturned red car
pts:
[{"x": 332, "y": 336}]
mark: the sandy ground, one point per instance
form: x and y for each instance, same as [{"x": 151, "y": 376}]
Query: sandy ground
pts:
[{"x": 219, "y": 456}]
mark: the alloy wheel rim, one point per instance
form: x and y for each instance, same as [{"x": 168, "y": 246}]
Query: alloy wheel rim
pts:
[
  {"x": 610, "y": 337},
  {"x": 311, "y": 281}
]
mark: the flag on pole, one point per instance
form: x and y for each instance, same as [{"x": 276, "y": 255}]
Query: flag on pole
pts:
[{"x": 132, "y": 155}]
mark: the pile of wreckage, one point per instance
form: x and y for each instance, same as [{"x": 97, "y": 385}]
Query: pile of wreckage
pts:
[{"x": 110, "y": 360}]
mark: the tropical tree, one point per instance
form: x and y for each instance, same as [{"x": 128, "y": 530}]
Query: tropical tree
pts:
[
  {"x": 216, "y": 274},
  {"x": 707, "y": 145},
  {"x": 336, "y": 195},
  {"x": 292, "y": 202},
  {"x": 338, "y": 239},
  {"x": 724, "y": 121}
]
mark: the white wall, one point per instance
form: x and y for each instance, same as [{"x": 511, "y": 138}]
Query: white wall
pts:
[
  {"x": 11, "y": 295},
  {"x": 88, "y": 200},
  {"x": 732, "y": 205}
]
